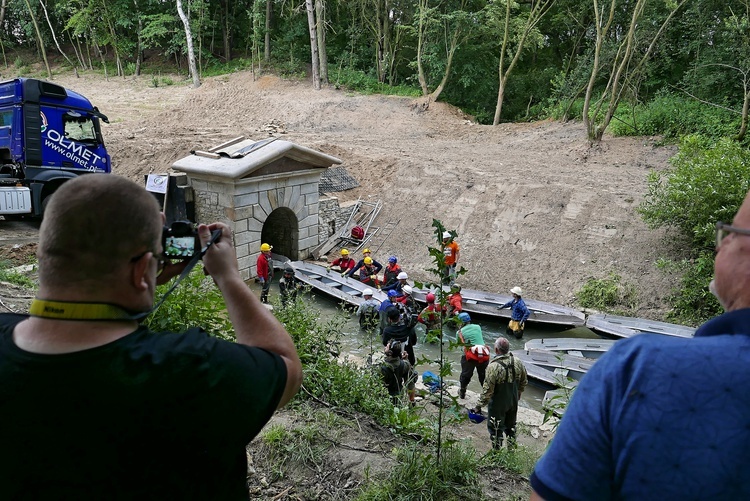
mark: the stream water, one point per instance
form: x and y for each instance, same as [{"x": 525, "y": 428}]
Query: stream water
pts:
[{"x": 358, "y": 343}]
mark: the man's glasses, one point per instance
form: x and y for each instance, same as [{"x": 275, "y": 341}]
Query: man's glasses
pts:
[
  {"x": 723, "y": 230},
  {"x": 160, "y": 260}
]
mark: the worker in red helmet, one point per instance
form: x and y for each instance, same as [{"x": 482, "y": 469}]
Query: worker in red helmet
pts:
[{"x": 431, "y": 315}]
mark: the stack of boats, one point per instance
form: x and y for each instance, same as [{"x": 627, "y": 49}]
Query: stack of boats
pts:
[{"x": 550, "y": 363}]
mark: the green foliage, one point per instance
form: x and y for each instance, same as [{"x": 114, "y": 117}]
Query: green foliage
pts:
[
  {"x": 215, "y": 67},
  {"x": 196, "y": 302},
  {"x": 358, "y": 81},
  {"x": 607, "y": 294},
  {"x": 559, "y": 399},
  {"x": 341, "y": 383},
  {"x": 706, "y": 184},
  {"x": 417, "y": 476},
  {"x": 692, "y": 302},
  {"x": 301, "y": 445},
  {"x": 674, "y": 116},
  {"x": 519, "y": 459},
  {"x": 8, "y": 274}
]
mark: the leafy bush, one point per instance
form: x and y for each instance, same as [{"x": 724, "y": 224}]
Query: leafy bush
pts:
[
  {"x": 196, "y": 302},
  {"x": 341, "y": 383},
  {"x": 607, "y": 294},
  {"x": 706, "y": 184},
  {"x": 358, "y": 81},
  {"x": 674, "y": 116},
  {"x": 692, "y": 302}
]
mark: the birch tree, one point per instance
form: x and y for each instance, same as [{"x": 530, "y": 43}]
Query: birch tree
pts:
[
  {"x": 441, "y": 26},
  {"x": 625, "y": 66},
  {"x": 40, "y": 40},
  {"x": 320, "y": 29},
  {"x": 520, "y": 33},
  {"x": 189, "y": 40},
  {"x": 313, "y": 43}
]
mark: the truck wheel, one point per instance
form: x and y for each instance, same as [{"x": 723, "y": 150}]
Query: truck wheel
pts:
[{"x": 45, "y": 202}]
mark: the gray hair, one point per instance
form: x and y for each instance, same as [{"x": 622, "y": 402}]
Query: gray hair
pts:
[{"x": 502, "y": 345}]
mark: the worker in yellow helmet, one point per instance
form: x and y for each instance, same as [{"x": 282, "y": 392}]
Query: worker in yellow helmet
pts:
[
  {"x": 367, "y": 273},
  {"x": 365, "y": 254},
  {"x": 264, "y": 269},
  {"x": 344, "y": 263}
]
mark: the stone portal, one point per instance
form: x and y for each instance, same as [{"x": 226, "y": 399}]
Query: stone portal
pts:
[{"x": 267, "y": 191}]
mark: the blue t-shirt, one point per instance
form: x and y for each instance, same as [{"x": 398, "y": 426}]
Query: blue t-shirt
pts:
[{"x": 658, "y": 417}]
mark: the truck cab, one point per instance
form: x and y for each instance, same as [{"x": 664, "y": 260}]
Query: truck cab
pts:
[{"x": 48, "y": 135}]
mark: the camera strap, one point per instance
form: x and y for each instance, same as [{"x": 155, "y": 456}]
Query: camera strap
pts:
[{"x": 71, "y": 310}]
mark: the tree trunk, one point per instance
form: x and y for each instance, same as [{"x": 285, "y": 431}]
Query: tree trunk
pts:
[
  {"x": 267, "y": 38},
  {"x": 189, "y": 39},
  {"x": 313, "y": 44},
  {"x": 54, "y": 37},
  {"x": 601, "y": 33},
  {"x": 320, "y": 19},
  {"x": 226, "y": 35},
  {"x": 501, "y": 83},
  {"x": 3, "y": 4},
  {"x": 139, "y": 42},
  {"x": 446, "y": 74},
  {"x": 423, "y": 4},
  {"x": 40, "y": 40},
  {"x": 104, "y": 63},
  {"x": 745, "y": 108}
]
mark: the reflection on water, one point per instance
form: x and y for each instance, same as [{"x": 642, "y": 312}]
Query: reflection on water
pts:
[{"x": 361, "y": 345}]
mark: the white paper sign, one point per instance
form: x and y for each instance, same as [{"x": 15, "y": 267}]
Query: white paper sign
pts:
[{"x": 157, "y": 183}]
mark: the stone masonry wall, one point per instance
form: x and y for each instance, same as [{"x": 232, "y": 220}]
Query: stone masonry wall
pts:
[
  {"x": 327, "y": 215},
  {"x": 246, "y": 204}
]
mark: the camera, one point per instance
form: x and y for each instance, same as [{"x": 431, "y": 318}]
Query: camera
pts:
[{"x": 180, "y": 240}]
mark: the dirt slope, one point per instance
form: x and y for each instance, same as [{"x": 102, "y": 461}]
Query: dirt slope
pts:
[{"x": 535, "y": 205}]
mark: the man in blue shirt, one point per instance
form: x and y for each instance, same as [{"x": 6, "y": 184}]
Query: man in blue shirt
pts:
[
  {"x": 661, "y": 417},
  {"x": 519, "y": 313}
]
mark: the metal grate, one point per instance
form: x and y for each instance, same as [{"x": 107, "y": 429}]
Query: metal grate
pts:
[{"x": 336, "y": 179}]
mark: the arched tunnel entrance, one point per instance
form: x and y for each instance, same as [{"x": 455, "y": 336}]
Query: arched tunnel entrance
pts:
[{"x": 281, "y": 230}]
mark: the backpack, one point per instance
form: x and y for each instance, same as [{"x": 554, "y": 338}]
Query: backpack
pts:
[
  {"x": 358, "y": 233},
  {"x": 393, "y": 378}
]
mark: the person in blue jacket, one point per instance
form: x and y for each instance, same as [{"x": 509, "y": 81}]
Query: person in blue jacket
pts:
[
  {"x": 665, "y": 417},
  {"x": 365, "y": 254},
  {"x": 519, "y": 313}
]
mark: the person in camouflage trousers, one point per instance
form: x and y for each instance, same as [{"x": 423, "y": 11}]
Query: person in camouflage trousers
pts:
[{"x": 504, "y": 382}]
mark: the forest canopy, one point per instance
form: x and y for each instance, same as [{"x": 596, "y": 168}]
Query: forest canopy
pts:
[{"x": 499, "y": 60}]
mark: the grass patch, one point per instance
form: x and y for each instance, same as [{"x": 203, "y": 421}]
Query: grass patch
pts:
[
  {"x": 608, "y": 294},
  {"x": 360, "y": 82},
  {"x": 520, "y": 460},
  {"x": 418, "y": 476},
  {"x": 9, "y": 275},
  {"x": 302, "y": 445}
]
